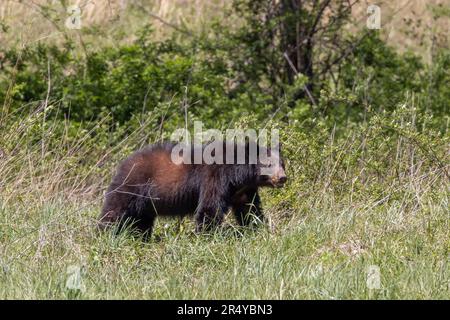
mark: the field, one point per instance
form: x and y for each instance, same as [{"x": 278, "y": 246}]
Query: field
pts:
[
  {"x": 323, "y": 254},
  {"x": 320, "y": 243},
  {"x": 365, "y": 214}
]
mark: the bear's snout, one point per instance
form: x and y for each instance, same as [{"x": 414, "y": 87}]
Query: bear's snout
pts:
[
  {"x": 279, "y": 178},
  {"x": 282, "y": 179}
]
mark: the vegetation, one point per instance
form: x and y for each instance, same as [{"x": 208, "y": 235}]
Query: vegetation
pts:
[{"x": 364, "y": 129}]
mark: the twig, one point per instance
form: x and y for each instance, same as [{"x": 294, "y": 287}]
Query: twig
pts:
[
  {"x": 296, "y": 73},
  {"x": 167, "y": 23}
]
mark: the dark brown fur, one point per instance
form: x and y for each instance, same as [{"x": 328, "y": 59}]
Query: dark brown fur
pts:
[{"x": 148, "y": 184}]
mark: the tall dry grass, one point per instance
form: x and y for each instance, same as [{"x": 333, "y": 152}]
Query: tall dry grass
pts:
[
  {"x": 110, "y": 20},
  {"x": 406, "y": 24}
]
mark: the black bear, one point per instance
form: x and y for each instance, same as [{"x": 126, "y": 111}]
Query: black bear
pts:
[{"x": 150, "y": 183}]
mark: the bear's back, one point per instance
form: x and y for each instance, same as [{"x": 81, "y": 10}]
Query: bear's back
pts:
[{"x": 150, "y": 173}]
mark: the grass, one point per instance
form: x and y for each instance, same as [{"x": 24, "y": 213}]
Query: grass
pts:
[
  {"x": 326, "y": 229},
  {"x": 324, "y": 253}
]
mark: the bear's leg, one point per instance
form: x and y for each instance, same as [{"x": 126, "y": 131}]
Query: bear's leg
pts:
[
  {"x": 212, "y": 207},
  {"x": 140, "y": 216},
  {"x": 123, "y": 209},
  {"x": 211, "y": 210},
  {"x": 208, "y": 217},
  {"x": 247, "y": 207},
  {"x": 115, "y": 209},
  {"x": 145, "y": 226}
]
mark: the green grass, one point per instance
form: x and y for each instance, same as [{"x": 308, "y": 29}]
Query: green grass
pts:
[
  {"x": 323, "y": 253},
  {"x": 374, "y": 198}
]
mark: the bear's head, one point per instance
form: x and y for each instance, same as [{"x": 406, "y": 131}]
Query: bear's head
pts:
[{"x": 271, "y": 169}]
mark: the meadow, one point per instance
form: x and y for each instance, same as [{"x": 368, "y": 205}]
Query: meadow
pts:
[{"x": 365, "y": 214}]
